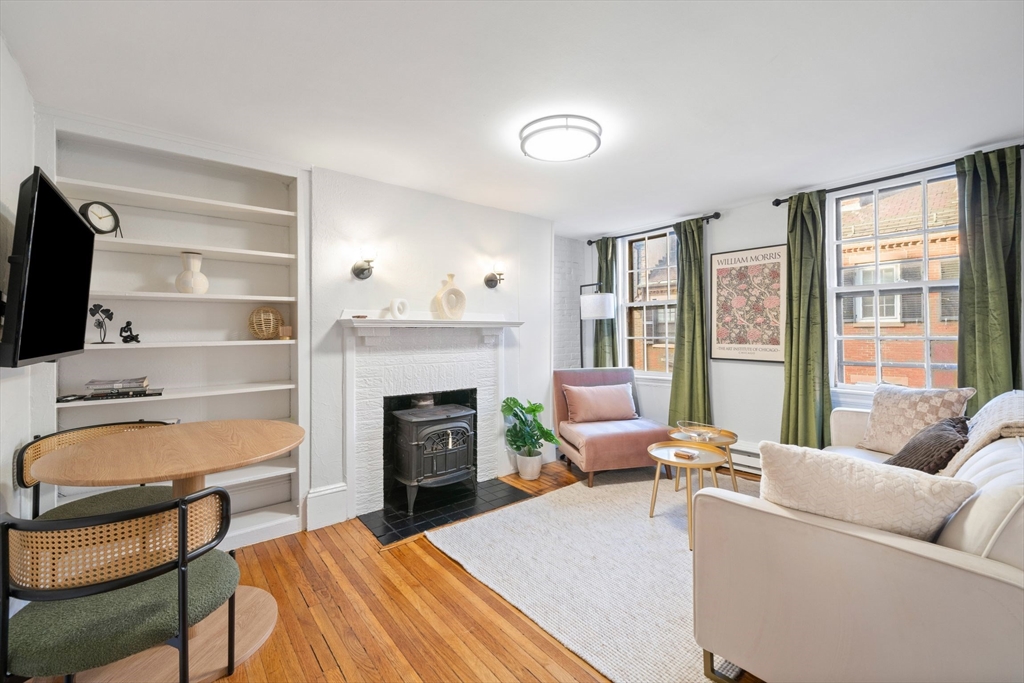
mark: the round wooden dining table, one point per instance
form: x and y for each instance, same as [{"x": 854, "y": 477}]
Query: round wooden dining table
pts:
[{"x": 183, "y": 454}]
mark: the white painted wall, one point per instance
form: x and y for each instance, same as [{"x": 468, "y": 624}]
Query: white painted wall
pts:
[
  {"x": 16, "y": 152},
  {"x": 419, "y": 237},
  {"x": 569, "y": 273}
]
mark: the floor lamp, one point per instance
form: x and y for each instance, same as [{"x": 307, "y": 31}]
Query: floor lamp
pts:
[{"x": 597, "y": 306}]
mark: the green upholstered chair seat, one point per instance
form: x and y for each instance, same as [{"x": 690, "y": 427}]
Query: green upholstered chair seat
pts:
[
  {"x": 67, "y": 636},
  {"x": 121, "y": 500}
]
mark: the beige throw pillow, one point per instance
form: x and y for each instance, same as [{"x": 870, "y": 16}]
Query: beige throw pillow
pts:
[
  {"x": 898, "y": 413},
  {"x": 600, "y": 403},
  {"x": 894, "y": 499}
]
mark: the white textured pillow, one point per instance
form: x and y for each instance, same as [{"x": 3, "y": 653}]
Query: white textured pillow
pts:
[
  {"x": 1001, "y": 417},
  {"x": 894, "y": 499},
  {"x": 898, "y": 413}
]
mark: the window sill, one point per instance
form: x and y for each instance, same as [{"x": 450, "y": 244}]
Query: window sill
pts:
[
  {"x": 653, "y": 377},
  {"x": 849, "y": 397}
]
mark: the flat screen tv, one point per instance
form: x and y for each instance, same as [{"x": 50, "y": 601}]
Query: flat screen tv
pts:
[{"x": 51, "y": 269}]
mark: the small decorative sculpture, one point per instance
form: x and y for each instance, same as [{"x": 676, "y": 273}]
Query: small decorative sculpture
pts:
[
  {"x": 399, "y": 309},
  {"x": 265, "y": 323},
  {"x": 190, "y": 280},
  {"x": 451, "y": 301},
  {"x": 127, "y": 336},
  {"x": 102, "y": 315}
]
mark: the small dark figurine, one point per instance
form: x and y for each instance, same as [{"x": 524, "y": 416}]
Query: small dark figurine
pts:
[
  {"x": 102, "y": 315},
  {"x": 126, "y": 334}
]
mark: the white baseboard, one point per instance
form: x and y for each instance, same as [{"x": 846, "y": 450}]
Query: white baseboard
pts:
[{"x": 326, "y": 505}]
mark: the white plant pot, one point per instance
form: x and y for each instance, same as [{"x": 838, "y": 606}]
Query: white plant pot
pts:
[
  {"x": 529, "y": 466},
  {"x": 190, "y": 280}
]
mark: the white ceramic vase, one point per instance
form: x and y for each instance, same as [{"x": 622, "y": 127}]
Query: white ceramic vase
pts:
[
  {"x": 529, "y": 465},
  {"x": 191, "y": 280},
  {"x": 451, "y": 301}
]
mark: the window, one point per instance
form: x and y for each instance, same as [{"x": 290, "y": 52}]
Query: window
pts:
[
  {"x": 650, "y": 274},
  {"x": 894, "y": 273}
]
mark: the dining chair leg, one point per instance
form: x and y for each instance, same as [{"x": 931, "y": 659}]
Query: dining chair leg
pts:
[
  {"x": 69, "y": 678},
  {"x": 231, "y": 627}
]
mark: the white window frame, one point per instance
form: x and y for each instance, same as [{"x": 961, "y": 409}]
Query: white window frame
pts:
[
  {"x": 851, "y": 394},
  {"x": 623, "y": 288}
]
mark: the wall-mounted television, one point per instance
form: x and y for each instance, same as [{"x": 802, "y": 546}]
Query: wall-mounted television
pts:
[{"x": 51, "y": 270}]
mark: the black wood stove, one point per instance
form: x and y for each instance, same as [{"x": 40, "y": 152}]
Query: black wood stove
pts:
[{"x": 434, "y": 447}]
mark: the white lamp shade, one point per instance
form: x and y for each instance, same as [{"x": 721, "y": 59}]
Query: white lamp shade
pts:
[{"x": 597, "y": 306}]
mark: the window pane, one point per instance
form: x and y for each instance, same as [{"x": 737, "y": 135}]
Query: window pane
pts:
[
  {"x": 849, "y": 309},
  {"x": 901, "y": 259},
  {"x": 657, "y": 355},
  {"x": 636, "y": 354},
  {"x": 673, "y": 248},
  {"x": 904, "y": 377},
  {"x": 654, "y": 317},
  {"x": 637, "y": 286},
  {"x": 673, "y": 283},
  {"x": 900, "y": 209},
  {"x": 657, "y": 285},
  {"x": 944, "y": 269},
  {"x": 943, "y": 255},
  {"x": 944, "y": 377},
  {"x": 856, "y": 216},
  {"x": 634, "y": 322},
  {"x": 943, "y": 352},
  {"x": 670, "y": 326},
  {"x": 944, "y": 312},
  {"x": 856, "y": 261},
  {"x": 901, "y": 314},
  {"x": 657, "y": 252},
  {"x": 856, "y": 361},
  {"x": 902, "y": 351},
  {"x": 636, "y": 255},
  {"x": 943, "y": 203}
]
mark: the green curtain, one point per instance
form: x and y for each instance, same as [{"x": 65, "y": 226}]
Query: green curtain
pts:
[
  {"x": 988, "y": 356},
  {"x": 807, "y": 401},
  {"x": 606, "y": 351},
  {"x": 691, "y": 398}
]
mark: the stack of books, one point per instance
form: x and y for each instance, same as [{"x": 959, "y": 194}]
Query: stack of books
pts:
[{"x": 103, "y": 389}]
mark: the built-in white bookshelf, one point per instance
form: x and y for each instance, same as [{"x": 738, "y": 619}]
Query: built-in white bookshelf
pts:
[{"x": 249, "y": 218}]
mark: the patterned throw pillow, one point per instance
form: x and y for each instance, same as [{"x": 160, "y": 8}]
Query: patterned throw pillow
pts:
[
  {"x": 893, "y": 499},
  {"x": 1002, "y": 417},
  {"x": 897, "y": 414},
  {"x": 931, "y": 448}
]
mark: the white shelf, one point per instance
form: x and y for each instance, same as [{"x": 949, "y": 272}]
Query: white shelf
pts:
[
  {"x": 171, "y": 249},
  {"x": 165, "y": 201},
  {"x": 251, "y": 520},
  {"x": 188, "y": 344},
  {"x": 197, "y": 298},
  {"x": 258, "y": 472},
  {"x": 188, "y": 392},
  {"x": 347, "y": 320}
]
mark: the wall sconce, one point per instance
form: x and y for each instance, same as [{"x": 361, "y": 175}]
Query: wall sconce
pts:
[
  {"x": 364, "y": 269},
  {"x": 492, "y": 279}
]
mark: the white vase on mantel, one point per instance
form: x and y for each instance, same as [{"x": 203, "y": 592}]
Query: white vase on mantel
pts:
[
  {"x": 451, "y": 301},
  {"x": 190, "y": 280}
]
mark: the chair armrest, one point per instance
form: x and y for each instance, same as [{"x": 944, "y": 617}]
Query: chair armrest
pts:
[
  {"x": 792, "y": 596},
  {"x": 848, "y": 425}
]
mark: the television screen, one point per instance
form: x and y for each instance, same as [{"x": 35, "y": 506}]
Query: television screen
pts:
[{"x": 48, "y": 285}]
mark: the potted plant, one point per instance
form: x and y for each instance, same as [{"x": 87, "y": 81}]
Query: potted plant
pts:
[{"x": 526, "y": 435}]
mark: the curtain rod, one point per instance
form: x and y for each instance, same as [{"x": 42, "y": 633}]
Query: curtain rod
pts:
[
  {"x": 894, "y": 176},
  {"x": 708, "y": 217}
]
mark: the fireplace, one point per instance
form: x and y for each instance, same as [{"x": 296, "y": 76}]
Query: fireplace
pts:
[{"x": 434, "y": 447}]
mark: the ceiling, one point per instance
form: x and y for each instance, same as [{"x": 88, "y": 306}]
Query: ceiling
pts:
[{"x": 704, "y": 105}]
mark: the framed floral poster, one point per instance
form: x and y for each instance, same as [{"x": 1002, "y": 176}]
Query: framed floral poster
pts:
[{"x": 748, "y": 304}]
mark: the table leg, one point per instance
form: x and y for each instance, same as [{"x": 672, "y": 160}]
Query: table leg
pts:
[
  {"x": 689, "y": 507},
  {"x": 732, "y": 470},
  {"x": 678, "y": 471},
  {"x": 714, "y": 476},
  {"x": 699, "y": 474},
  {"x": 654, "y": 493}
]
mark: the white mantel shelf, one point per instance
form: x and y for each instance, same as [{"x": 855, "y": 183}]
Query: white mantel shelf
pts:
[{"x": 371, "y": 329}]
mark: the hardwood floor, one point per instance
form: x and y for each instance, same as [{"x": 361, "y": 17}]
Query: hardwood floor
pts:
[{"x": 351, "y": 610}]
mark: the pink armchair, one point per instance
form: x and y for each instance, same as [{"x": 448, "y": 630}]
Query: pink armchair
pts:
[{"x": 600, "y": 446}]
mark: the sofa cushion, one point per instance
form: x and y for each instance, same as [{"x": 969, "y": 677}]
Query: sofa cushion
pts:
[
  {"x": 859, "y": 453},
  {"x": 931, "y": 448},
  {"x": 991, "y": 522},
  {"x": 613, "y": 444},
  {"x": 898, "y": 413},
  {"x": 894, "y": 499},
  {"x": 600, "y": 403},
  {"x": 1004, "y": 412}
]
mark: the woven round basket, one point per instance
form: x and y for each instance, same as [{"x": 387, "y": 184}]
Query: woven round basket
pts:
[{"x": 265, "y": 322}]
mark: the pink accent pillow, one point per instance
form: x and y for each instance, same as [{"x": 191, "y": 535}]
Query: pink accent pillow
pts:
[{"x": 600, "y": 403}]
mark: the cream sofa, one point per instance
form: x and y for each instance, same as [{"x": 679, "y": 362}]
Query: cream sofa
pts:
[{"x": 792, "y": 596}]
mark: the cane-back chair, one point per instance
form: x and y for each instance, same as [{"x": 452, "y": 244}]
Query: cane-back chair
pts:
[
  {"x": 101, "y": 503},
  {"x": 106, "y": 587}
]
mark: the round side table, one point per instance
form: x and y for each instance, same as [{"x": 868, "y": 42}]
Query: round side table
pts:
[
  {"x": 722, "y": 440},
  {"x": 708, "y": 458}
]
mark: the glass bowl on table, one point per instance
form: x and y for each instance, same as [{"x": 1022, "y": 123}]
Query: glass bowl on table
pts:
[{"x": 697, "y": 431}]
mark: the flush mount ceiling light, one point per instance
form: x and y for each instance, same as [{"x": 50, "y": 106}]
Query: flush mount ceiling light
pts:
[{"x": 560, "y": 138}]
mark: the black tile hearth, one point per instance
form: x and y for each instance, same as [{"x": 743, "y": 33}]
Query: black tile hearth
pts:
[{"x": 436, "y": 507}]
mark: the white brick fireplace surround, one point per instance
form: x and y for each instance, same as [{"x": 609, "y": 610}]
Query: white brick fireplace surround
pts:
[{"x": 399, "y": 357}]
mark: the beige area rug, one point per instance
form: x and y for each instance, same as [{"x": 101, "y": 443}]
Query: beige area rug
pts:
[{"x": 594, "y": 571}]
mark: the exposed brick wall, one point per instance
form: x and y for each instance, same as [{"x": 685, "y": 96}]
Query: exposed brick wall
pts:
[{"x": 569, "y": 264}]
